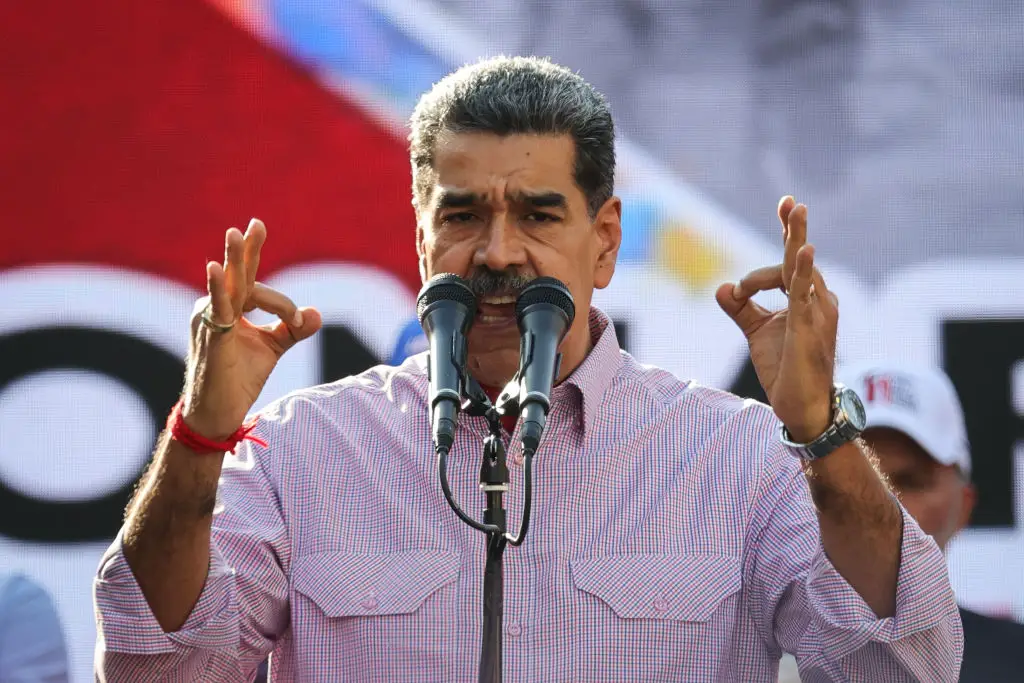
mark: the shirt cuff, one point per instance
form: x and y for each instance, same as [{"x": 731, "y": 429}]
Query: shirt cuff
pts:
[
  {"x": 924, "y": 597},
  {"x": 125, "y": 623}
]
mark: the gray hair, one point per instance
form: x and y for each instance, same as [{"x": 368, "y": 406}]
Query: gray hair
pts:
[{"x": 509, "y": 95}]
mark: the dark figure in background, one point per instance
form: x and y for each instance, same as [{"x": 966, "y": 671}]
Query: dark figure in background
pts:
[
  {"x": 31, "y": 640},
  {"x": 915, "y": 426}
]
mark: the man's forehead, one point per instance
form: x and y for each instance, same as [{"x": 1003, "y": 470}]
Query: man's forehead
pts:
[
  {"x": 896, "y": 449},
  {"x": 476, "y": 141},
  {"x": 475, "y": 161}
]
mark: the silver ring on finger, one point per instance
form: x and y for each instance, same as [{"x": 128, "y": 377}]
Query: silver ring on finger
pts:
[{"x": 209, "y": 322}]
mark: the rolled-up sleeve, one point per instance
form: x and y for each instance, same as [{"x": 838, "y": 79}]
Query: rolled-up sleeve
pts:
[
  {"x": 243, "y": 606},
  {"x": 805, "y": 607}
]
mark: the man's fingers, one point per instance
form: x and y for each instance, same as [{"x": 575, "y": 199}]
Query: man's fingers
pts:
[
  {"x": 234, "y": 268},
  {"x": 255, "y": 236},
  {"x": 822, "y": 292},
  {"x": 744, "y": 311},
  {"x": 287, "y": 335},
  {"x": 295, "y": 323},
  {"x": 796, "y": 237},
  {"x": 803, "y": 278},
  {"x": 221, "y": 310},
  {"x": 786, "y": 205},
  {"x": 760, "y": 280},
  {"x": 273, "y": 301}
]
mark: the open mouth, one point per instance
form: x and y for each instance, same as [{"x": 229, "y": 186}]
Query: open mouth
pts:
[{"x": 496, "y": 310}]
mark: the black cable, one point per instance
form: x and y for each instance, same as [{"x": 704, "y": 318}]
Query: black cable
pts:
[
  {"x": 493, "y": 479},
  {"x": 524, "y": 525},
  {"x": 442, "y": 473}
]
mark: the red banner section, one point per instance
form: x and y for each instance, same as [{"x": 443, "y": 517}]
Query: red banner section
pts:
[{"x": 135, "y": 133}]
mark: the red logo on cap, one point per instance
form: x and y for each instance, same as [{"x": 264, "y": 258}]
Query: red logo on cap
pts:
[
  {"x": 878, "y": 386},
  {"x": 894, "y": 390}
]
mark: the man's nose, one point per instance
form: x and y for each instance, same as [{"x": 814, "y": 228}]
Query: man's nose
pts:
[{"x": 500, "y": 246}]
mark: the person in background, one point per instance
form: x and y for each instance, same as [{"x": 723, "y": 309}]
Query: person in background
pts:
[
  {"x": 915, "y": 426},
  {"x": 411, "y": 340},
  {"x": 32, "y": 645}
]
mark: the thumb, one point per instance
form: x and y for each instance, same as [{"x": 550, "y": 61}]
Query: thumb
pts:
[
  {"x": 747, "y": 314},
  {"x": 288, "y": 335},
  {"x": 726, "y": 300}
]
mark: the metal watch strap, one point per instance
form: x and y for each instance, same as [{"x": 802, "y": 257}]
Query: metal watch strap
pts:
[
  {"x": 820, "y": 447},
  {"x": 840, "y": 432}
]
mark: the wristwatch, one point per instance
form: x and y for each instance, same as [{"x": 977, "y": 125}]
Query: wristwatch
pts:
[{"x": 848, "y": 421}]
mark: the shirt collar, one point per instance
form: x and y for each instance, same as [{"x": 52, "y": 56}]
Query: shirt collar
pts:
[{"x": 592, "y": 378}]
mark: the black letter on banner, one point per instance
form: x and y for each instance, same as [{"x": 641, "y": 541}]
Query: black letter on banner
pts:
[
  {"x": 342, "y": 354},
  {"x": 152, "y": 372},
  {"x": 979, "y": 356}
]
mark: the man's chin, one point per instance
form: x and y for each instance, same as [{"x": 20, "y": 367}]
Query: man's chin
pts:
[
  {"x": 494, "y": 335},
  {"x": 493, "y": 366},
  {"x": 495, "y": 327}
]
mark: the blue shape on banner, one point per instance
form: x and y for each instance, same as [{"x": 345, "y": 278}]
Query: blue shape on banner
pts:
[
  {"x": 357, "y": 43},
  {"x": 411, "y": 341},
  {"x": 639, "y": 220}
]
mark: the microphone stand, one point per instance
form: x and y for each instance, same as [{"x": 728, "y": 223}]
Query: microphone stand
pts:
[{"x": 494, "y": 480}]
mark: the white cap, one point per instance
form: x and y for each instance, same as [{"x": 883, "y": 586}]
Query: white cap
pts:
[{"x": 919, "y": 401}]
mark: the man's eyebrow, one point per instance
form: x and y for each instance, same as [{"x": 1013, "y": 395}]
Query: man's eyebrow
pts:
[
  {"x": 541, "y": 200},
  {"x": 457, "y": 199},
  {"x": 460, "y": 199}
]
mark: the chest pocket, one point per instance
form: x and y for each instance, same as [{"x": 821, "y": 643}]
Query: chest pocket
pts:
[
  {"x": 349, "y": 585},
  {"x": 668, "y": 587},
  {"x": 647, "y": 617}
]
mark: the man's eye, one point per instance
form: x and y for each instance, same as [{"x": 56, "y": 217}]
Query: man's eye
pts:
[
  {"x": 459, "y": 217},
  {"x": 909, "y": 483},
  {"x": 541, "y": 217}
]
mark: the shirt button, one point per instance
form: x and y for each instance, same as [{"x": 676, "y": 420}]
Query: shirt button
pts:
[
  {"x": 514, "y": 629},
  {"x": 660, "y": 604},
  {"x": 369, "y": 602}
]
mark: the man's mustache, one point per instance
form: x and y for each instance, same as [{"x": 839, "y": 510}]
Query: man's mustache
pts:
[{"x": 487, "y": 282}]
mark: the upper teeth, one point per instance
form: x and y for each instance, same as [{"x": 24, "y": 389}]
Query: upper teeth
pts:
[{"x": 499, "y": 300}]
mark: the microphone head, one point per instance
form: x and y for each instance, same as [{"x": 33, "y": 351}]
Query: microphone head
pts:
[
  {"x": 546, "y": 290},
  {"x": 445, "y": 286}
]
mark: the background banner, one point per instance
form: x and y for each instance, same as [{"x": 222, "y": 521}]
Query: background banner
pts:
[{"x": 134, "y": 134}]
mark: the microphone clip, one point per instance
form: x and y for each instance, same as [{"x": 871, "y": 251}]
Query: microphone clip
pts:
[
  {"x": 508, "y": 399},
  {"x": 475, "y": 402}
]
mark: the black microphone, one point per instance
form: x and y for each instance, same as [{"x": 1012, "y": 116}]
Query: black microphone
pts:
[
  {"x": 544, "y": 311},
  {"x": 446, "y": 307}
]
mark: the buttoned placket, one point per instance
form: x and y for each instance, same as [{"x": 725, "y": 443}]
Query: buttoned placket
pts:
[{"x": 520, "y": 586}]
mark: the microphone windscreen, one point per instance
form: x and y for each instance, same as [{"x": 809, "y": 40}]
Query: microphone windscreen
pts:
[
  {"x": 445, "y": 286},
  {"x": 546, "y": 290}
]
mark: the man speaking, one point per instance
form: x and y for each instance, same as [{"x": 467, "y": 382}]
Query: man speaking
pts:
[{"x": 679, "y": 533}]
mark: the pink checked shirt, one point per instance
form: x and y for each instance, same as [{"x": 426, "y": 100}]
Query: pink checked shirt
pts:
[{"x": 673, "y": 539}]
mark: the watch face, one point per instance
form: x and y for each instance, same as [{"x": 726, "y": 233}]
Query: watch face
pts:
[{"x": 850, "y": 404}]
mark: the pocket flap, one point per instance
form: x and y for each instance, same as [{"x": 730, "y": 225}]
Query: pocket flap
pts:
[
  {"x": 345, "y": 584},
  {"x": 677, "y": 587}
]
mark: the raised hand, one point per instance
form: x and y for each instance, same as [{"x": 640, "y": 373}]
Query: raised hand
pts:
[
  {"x": 793, "y": 350},
  {"x": 231, "y": 358}
]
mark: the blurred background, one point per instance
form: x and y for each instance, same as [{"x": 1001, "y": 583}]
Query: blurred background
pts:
[{"x": 133, "y": 134}]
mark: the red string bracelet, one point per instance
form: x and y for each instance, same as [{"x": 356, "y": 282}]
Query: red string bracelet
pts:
[{"x": 184, "y": 435}]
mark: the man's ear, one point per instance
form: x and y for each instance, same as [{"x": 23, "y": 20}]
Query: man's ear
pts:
[
  {"x": 608, "y": 234},
  {"x": 969, "y": 497},
  {"x": 421, "y": 252}
]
